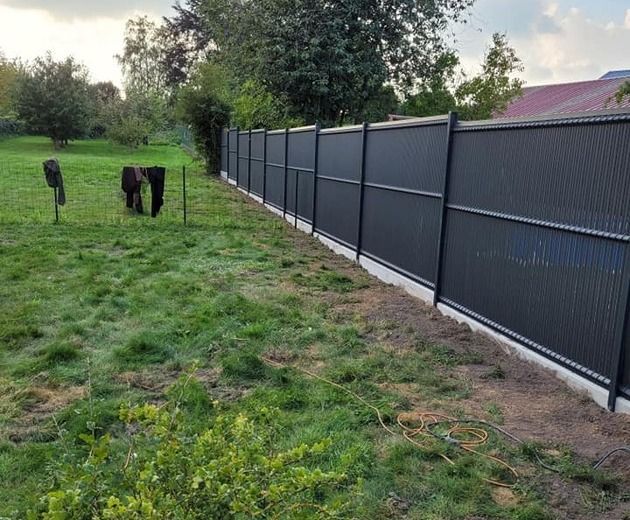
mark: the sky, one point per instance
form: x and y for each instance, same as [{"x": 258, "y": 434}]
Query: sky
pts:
[{"x": 558, "y": 40}]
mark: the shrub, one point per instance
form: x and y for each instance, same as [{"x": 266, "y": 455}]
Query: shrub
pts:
[
  {"x": 129, "y": 131},
  {"x": 230, "y": 470}
]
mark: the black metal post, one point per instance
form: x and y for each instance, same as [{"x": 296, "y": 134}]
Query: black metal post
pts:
[
  {"x": 227, "y": 169},
  {"x": 56, "y": 198},
  {"x": 249, "y": 160},
  {"x": 264, "y": 190},
  {"x": 452, "y": 123},
  {"x": 238, "y": 142},
  {"x": 295, "y": 207},
  {"x": 621, "y": 336},
  {"x": 184, "y": 195},
  {"x": 286, "y": 157},
  {"x": 315, "y": 165},
  {"x": 364, "y": 128}
]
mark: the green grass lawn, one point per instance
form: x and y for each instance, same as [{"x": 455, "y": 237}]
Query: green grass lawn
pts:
[{"x": 97, "y": 315}]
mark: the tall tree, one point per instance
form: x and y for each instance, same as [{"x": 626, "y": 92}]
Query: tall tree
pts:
[
  {"x": 52, "y": 99},
  {"x": 327, "y": 58},
  {"x": 8, "y": 79},
  {"x": 491, "y": 91},
  {"x": 141, "y": 59}
]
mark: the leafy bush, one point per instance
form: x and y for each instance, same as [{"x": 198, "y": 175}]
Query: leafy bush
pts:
[
  {"x": 230, "y": 470},
  {"x": 129, "y": 131},
  {"x": 9, "y": 127}
]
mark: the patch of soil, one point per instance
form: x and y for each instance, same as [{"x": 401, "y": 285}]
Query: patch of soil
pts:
[
  {"x": 534, "y": 404},
  {"x": 39, "y": 405}
]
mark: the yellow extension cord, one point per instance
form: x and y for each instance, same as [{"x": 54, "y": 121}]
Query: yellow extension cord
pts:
[{"x": 465, "y": 437}]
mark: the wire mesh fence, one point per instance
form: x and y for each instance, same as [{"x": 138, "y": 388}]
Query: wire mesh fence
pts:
[{"x": 94, "y": 195}]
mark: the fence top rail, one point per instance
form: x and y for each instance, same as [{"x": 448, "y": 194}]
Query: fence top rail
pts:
[
  {"x": 410, "y": 123},
  {"x": 258, "y": 131},
  {"x": 281, "y": 131},
  {"x": 342, "y": 129},
  {"x": 594, "y": 116},
  {"x": 302, "y": 129}
]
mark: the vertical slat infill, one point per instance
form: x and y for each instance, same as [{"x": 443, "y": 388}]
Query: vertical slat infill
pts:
[
  {"x": 286, "y": 166},
  {"x": 618, "y": 360}
]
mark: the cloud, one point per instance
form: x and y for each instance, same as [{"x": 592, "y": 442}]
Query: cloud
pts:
[
  {"x": 72, "y": 9},
  {"x": 92, "y": 41},
  {"x": 563, "y": 43}
]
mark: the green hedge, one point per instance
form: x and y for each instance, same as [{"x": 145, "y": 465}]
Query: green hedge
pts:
[{"x": 9, "y": 127}]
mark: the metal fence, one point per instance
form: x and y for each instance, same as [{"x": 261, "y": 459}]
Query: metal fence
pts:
[
  {"x": 94, "y": 195},
  {"x": 522, "y": 225}
]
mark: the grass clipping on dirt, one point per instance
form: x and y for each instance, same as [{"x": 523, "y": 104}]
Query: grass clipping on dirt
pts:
[{"x": 99, "y": 322}]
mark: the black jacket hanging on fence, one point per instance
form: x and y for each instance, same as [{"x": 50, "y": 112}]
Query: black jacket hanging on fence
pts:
[
  {"x": 52, "y": 171},
  {"x": 157, "y": 178},
  {"x": 132, "y": 184}
]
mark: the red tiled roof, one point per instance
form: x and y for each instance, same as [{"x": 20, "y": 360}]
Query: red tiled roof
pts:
[{"x": 567, "y": 98}]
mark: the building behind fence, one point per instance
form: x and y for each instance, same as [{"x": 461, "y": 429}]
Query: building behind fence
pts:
[{"x": 522, "y": 226}]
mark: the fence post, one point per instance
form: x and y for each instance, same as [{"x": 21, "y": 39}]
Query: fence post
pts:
[
  {"x": 238, "y": 142},
  {"x": 286, "y": 157},
  {"x": 620, "y": 338},
  {"x": 264, "y": 190},
  {"x": 364, "y": 128},
  {"x": 184, "y": 194},
  {"x": 315, "y": 164},
  {"x": 452, "y": 123},
  {"x": 56, "y": 201},
  {"x": 249, "y": 160},
  {"x": 227, "y": 166}
]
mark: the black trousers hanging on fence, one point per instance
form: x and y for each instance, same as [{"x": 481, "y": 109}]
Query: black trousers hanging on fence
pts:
[{"x": 157, "y": 178}]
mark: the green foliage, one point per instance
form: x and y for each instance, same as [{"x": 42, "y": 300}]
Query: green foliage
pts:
[
  {"x": 204, "y": 104},
  {"x": 328, "y": 60},
  {"x": 141, "y": 58},
  {"x": 129, "y": 131},
  {"x": 623, "y": 91},
  {"x": 491, "y": 91},
  {"x": 52, "y": 99},
  {"x": 255, "y": 107},
  {"x": 231, "y": 469},
  {"x": 104, "y": 97},
  {"x": 9, "y": 73},
  {"x": 139, "y": 115}
]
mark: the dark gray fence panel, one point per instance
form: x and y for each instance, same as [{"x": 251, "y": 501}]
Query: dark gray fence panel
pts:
[
  {"x": 302, "y": 149},
  {"x": 257, "y": 166},
  {"x": 258, "y": 145},
  {"x": 401, "y": 229},
  {"x": 338, "y": 188},
  {"x": 340, "y": 155},
  {"x": 275, "y": 186},
  {"x": 338, "y": 210},
  {"x": 411, "y": 158},
  {"x": 233, "y": 160},
  {"x": 569, "y": 174},
  {"x": 292, "y": 178},
  {"x": 305, "y": 196},
  {"x": 243, "y": 160},
  {"x": 275, "y": 148},
  {"x": 557, "y": 289},
  {"x": 224, "y": 150}
]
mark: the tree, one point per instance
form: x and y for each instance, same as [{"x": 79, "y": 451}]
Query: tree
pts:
[
  {"x": 255, "y": 107},
  {"x": 204, "y": 104},
  {"x": 52, "y": 99},
  {"x": 623, "y": 91},
  {"x": 131, "y": 121},
  {"x": 104, "y": 99},
  {"x": 491, "y": 91},
  {"x": 141, "y": 60},
  {"x": 9, "y": 71},
  {"x": 327, "y": 59}
]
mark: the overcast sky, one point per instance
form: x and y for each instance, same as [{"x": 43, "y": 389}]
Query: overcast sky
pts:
[{"x": 558, "y": 40}]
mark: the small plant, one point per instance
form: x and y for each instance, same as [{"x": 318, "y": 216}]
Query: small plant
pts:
[{"x": 229, "y": 470}]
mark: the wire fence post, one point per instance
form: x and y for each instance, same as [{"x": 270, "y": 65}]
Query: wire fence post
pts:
[
  {"x": 315, "y": 165},
  {"x": 184, "y": 195},
  {"x": 452, "y": 123},
  {"x": 364, "y": 128},
  {"x": 56, "y": 201},
  {"x": 264, "y": 190},
  {"x": 286, "y": 156},
  {"x": 249, "y": 160}
]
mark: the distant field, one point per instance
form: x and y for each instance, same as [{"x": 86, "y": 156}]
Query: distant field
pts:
[
  {"x": 91, "y": 171},
  {"x": 114, "y": 310}
]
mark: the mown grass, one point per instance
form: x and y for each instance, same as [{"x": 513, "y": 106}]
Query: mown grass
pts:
[{"x": 96, "y": 315}]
